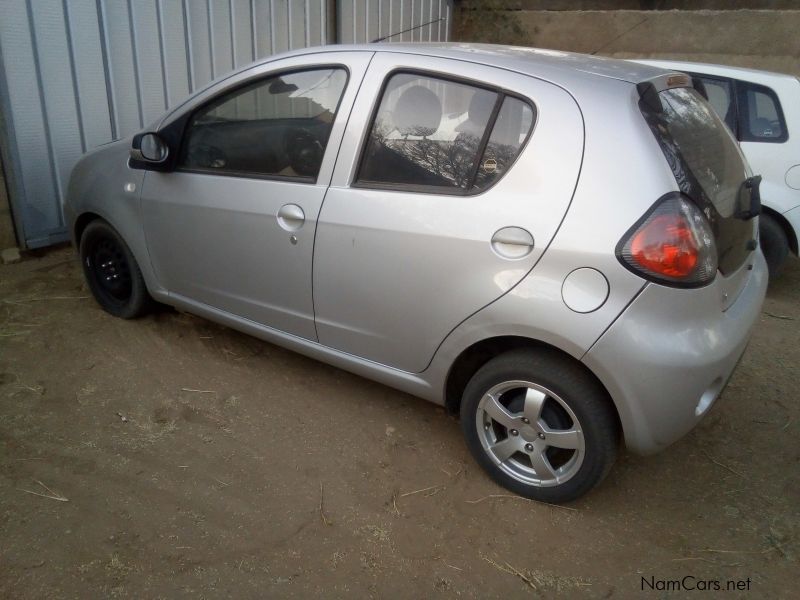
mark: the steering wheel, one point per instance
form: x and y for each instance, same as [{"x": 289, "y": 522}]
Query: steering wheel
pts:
[
  {"x": 304, "y": 151},
  {"x": 208, "y": 157}
]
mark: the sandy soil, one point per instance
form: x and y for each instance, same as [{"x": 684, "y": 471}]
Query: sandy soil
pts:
[{"x": 200, "y": 462}]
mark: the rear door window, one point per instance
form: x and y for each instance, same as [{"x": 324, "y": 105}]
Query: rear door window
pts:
[
  {"x": 760, "y": 115},
  {"x": 441, "y": 136},
  {"x": 514, "y": 122}
]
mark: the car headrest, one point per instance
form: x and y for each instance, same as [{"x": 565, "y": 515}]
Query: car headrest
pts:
[
  {"x": 418, "y": 112},
  {"x": 478, "y": 113}
]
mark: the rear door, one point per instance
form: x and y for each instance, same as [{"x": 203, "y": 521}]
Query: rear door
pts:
[{"x": 451, "y": 181}]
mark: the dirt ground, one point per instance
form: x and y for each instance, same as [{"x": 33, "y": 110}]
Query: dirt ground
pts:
[{"x": 196, "y": 461}]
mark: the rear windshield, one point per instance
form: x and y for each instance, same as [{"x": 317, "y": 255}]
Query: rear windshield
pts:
[
  {"x": 707, "y": 165},
  {"x": 707, "y": 147}
]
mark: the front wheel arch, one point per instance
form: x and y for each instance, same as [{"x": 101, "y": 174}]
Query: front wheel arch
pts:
[
  {"x": 118, "y": 284},
  {"x": 777, "y": 240},
  {"x": 791, "y": 235},
  {"x": 81, "y": 223}
]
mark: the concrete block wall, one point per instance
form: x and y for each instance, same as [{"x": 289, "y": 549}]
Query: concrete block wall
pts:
[{"x": 762, "y": 38}]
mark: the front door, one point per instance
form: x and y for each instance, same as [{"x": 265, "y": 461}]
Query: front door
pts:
[
  {"x": 233, "y": 227},
  {"x": 443, "y": 206}
]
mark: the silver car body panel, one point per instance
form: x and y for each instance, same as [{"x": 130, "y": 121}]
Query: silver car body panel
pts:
[
  {"x": 103, "y": 184},
  {"x": 576, "y": 211},
  {"x": 674, "y": 350}
]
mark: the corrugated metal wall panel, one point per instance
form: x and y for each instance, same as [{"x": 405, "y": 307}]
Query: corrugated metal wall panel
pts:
[
  {"x": 89, "y": 72},
  {"x": 174, "y": 57},
  {"x": 147, "y": 57},
  {"x": 75, "y": 74},
  {"x": 32, "y": 167},
  {"x": 280, "y": 26},
  {"x": 123, "y": 80}
]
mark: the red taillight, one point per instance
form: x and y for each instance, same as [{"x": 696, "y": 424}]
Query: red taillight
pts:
[
  {"x": 672, "y": 244},
  {"x": 666, "y": 245}
]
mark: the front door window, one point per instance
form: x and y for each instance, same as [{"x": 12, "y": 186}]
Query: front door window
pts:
[{"x": 276, "y": 128}]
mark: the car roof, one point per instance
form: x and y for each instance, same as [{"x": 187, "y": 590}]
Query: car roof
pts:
[
  {"x": 754, "y": 75},
  {"x": 555, "y": 65},
  {"x": 565, "y": 69}
]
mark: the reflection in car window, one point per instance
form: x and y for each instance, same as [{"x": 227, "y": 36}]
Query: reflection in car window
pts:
[
  {"x": 692, "y": 134},
  {"x": 760, "y": 114},
  {"x": 720, "y": 96},
  {"x": 430, "y": 132},
  {"x": 277, "y": 127},
  {"x": 510, "y": 130},
  {"x": 427, "y": 132}
]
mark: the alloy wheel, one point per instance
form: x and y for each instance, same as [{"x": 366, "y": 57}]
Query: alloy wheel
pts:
[{"x": 530, "y": 433}]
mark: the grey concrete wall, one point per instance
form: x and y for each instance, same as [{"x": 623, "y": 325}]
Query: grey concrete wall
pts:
[
  {"x": 761, "y": 39},
  {"x": 634, "y": 4}
]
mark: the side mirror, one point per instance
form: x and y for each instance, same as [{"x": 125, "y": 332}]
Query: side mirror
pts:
[{"x": 149, "y": 148}]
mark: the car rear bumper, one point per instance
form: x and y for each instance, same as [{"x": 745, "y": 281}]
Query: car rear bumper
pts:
[{"x": 666, "y": 359}]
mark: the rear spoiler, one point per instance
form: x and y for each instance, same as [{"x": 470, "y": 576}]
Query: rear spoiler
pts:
[
  {"x": 700, "y": 87},
  {"x": 648, "y": 90}
]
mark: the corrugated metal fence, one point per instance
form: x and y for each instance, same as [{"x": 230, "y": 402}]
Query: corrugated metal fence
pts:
[{"x": 75, "y": 74}]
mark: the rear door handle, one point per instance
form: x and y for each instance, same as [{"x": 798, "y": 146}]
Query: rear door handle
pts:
[
  {"x": 291, "y": 217},
  {"x": 512, "y": 242}
]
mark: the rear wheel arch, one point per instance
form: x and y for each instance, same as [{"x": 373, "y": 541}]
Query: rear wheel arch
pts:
[
  {"x": 540, "y": 424},
  {"x": 478, "y": 354}
]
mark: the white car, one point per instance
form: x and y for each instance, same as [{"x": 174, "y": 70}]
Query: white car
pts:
[{"x": 762, "y": 109}]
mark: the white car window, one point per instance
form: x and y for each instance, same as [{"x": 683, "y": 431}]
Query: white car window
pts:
[{"x": 760, "y": 115}]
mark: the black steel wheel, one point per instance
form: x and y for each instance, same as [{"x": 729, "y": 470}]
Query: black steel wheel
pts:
[{"x": 112, "y": 273}]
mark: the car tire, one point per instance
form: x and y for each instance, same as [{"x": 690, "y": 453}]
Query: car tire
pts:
[
  {"x": 540, "y": 425},
  {"x": 112, "y": 272},
  {"x": 774, "y": 244}
]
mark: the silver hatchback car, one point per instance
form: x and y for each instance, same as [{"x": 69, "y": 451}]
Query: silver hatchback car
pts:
[{"x": 561, "y": 248}]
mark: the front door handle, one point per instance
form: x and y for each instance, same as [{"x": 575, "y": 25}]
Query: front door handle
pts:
[
  {"x": 512, "y": 242},
  {"x": 291, "y": 217}
]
